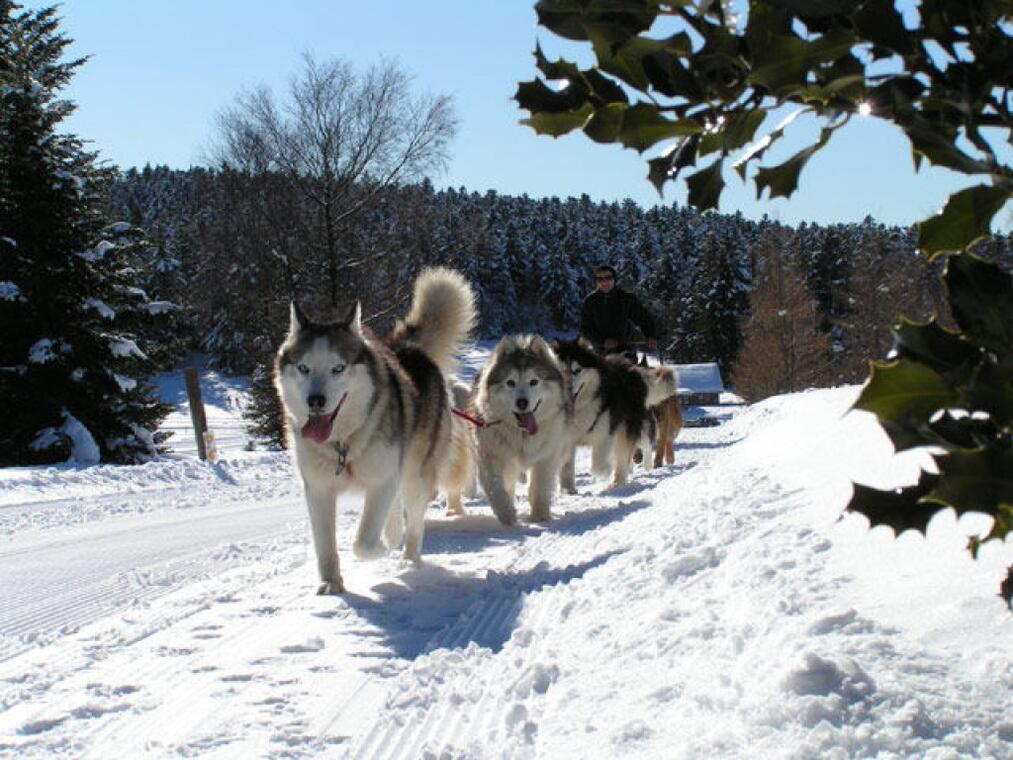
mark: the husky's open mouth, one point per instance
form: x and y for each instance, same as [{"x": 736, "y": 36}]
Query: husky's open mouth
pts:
[
  {"x": 526, "y": 420},
  {"x": 318, "y": 426}
]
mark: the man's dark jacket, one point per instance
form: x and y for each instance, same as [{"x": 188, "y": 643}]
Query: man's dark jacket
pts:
[{"x": 609, "y": 315}]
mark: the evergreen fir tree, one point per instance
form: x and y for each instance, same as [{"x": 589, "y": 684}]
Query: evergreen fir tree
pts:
[
  {"x": 74, "y": 356},
  {"x": 264, "y": 413}
]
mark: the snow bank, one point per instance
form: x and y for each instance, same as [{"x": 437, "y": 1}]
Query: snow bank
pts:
[{"x": 717, "y": 607}]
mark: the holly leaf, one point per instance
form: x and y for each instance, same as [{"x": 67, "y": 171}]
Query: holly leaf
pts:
[
  {"x": 975, "y": 481},
  {"x": 574, "y": 19},
  {"x": 991, "y": 391},
  {"x": 981, "y": 298},
  {"x": 642, "y": 126},
  {"x": 904, "y": 395},
  {"x": 759, "y": 147},
  {"x": 641, "y": 62},
  {"x": 818, "y": 8},
  {"x": 964, "y": 432},
  {"x": 604, "y": 126},
  {"x": 741, "y": 128},
  {"x": 782, "y": 180},
  {"x": 705, "y": 186},
  {"x": 882, "y": 24},
  {"x": 966, "y": 218},
  {"x": 932, "y": 345},
  {"x": 556, "y": 124},
  {"x": 899, "y": 508},
  {"x": 537, "y": 97},
  {"x": 782, "y": 62},
  {"x": 664, "y": 168}
]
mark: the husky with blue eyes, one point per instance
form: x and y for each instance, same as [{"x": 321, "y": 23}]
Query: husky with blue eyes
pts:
[
  {"x": 375, "y": 416},
  {"x": 522, "y": 401}
]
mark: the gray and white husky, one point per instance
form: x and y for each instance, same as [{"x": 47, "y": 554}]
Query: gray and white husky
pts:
[
  {"x": 374, "y": 416},
  {"x": 611, "y": 408},
  {"x": 523, "y": 400}
]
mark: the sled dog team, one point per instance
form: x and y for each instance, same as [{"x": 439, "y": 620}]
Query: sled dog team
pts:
[{"x": 381, "y": 417}]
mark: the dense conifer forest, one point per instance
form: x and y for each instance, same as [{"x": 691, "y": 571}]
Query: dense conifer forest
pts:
[{"x": 233, "y": 249}]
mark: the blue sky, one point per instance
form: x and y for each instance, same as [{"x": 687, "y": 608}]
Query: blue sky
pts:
[{"x": 160, "y": 72}]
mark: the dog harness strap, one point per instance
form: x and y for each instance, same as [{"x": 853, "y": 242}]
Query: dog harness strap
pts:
[
  {"x": 465, "y": 416},
  {"x": 476, "y": 421}
]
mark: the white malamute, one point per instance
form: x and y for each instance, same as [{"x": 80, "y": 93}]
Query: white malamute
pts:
[
  {"x": 522, "y": 398},
  {"x": 374, "y": 416}
]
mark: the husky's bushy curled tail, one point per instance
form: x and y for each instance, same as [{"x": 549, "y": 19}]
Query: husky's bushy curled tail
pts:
[
  {"x": 442, "y": 316},
  {"x": 375, "y": 416}
]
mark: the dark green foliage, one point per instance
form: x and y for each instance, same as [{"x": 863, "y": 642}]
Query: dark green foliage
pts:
[
  {"x": 264, "y": 412},
  {"x": 76, "y": 326},
  {"x": 952, "y": 390},
  {"x": 708, "y": 87}
]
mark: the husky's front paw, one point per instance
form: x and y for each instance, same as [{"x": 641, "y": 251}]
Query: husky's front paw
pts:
[
  {"x": 455, "y": 508},
  {"x": 362, "y": 550},
  {"x": 331, "y": 587},
  {"x": 506, "y": 513},
  {"x": 411, "y": 560}
]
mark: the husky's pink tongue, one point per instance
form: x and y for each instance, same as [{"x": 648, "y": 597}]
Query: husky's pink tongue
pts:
[
  {"x": 318, "y": 427},
  {"x": 527, "y": 421}
]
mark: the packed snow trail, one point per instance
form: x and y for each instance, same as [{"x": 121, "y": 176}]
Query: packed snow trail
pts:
[
  {"x": 57, "y": 583},
  {"x": 710, "y": 608}
]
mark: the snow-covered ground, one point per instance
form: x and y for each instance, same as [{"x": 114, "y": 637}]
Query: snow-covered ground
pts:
[{"x": 716, "y": 607}]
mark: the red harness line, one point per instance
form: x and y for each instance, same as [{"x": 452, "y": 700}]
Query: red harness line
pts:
[{"x": 465, "y": 416}]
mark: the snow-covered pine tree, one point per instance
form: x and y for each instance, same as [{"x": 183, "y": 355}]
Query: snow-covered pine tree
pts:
[
  {"x": 161, "y": 201},
  {"x": 72, "y": 359},
  {"x": 264, "y": 414}
]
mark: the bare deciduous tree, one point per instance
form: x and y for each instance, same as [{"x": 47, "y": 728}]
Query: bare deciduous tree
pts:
[{"x": 340, "y": 137}]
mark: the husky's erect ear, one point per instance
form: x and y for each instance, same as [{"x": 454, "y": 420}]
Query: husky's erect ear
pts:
[
  {"x": 585, "y": 343},
  {"x": 297, "y": 319},
  {"x": 354, "y": 318},
  {"x": 542, "y": 348},
  {"x": 506, "y": 343}
]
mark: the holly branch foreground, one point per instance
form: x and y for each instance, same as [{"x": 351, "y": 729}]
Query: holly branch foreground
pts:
[{"x": 692, "y": 80}]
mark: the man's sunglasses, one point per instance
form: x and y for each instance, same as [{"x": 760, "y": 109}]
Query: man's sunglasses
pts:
[{"x": 601, "y": 277}]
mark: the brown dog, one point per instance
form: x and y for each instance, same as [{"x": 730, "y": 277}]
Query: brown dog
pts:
[
  {"x": 669, "y": 417},
  {"x": 667, "y": 424}
]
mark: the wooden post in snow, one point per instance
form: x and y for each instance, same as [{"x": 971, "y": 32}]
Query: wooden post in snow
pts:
[{"x": 197, "y": 415}]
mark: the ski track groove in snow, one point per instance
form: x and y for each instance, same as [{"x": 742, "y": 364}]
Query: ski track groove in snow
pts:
[
  {"x": 728, "y": 590},
  {"x": 487, "y": 623},
  {"x": 59, "y": 601},
  {"x": 177, "y": 710},
  {"x": 114, "y": 658}
]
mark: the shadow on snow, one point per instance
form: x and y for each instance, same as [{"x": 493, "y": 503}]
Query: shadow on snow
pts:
[{"x": 431, "y": 607}]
